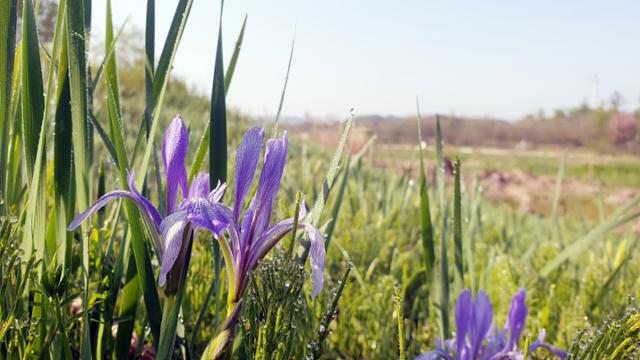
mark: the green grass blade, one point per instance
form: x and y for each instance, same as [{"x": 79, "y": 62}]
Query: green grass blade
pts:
[
  {"x": 426, "y": 225},
  {"x": 33, "y": 134},
  {"x": 34, "y": 131},
  {"x": 558, "y": 190},
  {"x": 338, "y": 204},
  {"x": 457, "y": 224},
  {"x": 75, "y": 38},
  {"x": 327, "y": 184},
  {"x": 140, "y": 250},
  {"x": 284, "y": 87},
  {"x": 32, "y": 87},
  {"x": 62, "y": 146},
  {"x": 8, "y": 19},
  {"x": 161, "y": 79},
  {"x": 231, "y": 68},
  {"x": 578, "y": 247},
  {"x": 398, "y": 306},
  {"x": 63, "y": 170},
  {"x": 172, "y": 306},
  {"x": 150, "y": 58},
  {"x": 444, "y": 261},
  {"x": 218, "y": 119},
  {"x": 127, "y": 311},
  {"x": 105, "y": 138},
  {"x": 109, "y": 51},
  {"x": 203, "y": 146}
]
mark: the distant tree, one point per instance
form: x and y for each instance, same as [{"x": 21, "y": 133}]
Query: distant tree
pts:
[
  {"x": 616, "y": 100},
  {"x": 622, "y": 128}
]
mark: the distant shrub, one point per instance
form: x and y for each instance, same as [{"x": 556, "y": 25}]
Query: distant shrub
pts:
[{"x": 622, "y": 128}]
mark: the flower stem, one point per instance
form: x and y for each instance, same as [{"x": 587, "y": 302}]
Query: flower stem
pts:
[{"x": 219, "y": 346}]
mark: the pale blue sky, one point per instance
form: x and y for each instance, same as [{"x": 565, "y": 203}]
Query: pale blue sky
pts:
[{"x": 494, "y": 58}]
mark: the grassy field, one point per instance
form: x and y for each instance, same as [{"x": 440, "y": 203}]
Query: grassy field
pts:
[
  {"x": 591, "y": 184},
  {"x": 398, "y": 243}
]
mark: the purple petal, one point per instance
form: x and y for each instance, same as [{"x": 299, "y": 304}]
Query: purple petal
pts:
[
  {"x": 245, "y": 226},
  {"x": 172, "y": 229},
  {"x": 481, "y": 320},
  {"x": 434, "y": 355},
  {"x": 246, "y": 163},
  {"x": 204, "y": 214},
  {"x": 269, "y": 238},
  {"x": 104, "y": 199},
  {"x": 275, "y": 233},
  {"x": 540, "y": 343},
  {"x": 463, "y": 313},
  {"x": 216, "y": 194},
  {"x": 199, "y": 186},
  {"x": 143, "y": 201},
  {"x": 274, "y": 161},
  {"x": 174, "y": 153},
  {"x": 517, "y": 318},
  {"x": 316, "y": 259}
]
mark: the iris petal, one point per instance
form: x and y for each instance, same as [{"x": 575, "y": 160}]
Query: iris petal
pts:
[
  {"x": 143, "y": 201},
  {"x": 99, "y": 204},
  {"x": 463, "y": 313},
  {"x": 316, "y": 259},
  {"x": 204, "y": 214},
  {"x": 481, "y": 320},
  {"x": 216, "y": 194},
  {"x": 270, "y": 177},
  {"x": 199, "y": 186},
  {"x": 172, "y": 229},
  {"x": 517, "y": 318},
  {"x": 174, "y": 153},
  {"x": 246, "y": 163}
]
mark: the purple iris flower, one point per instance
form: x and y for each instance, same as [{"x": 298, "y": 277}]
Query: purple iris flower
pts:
[
  {"x": 249, "y": 232},
  {"x": 244, "y": 239},
  {"x": 478, "y": 339}
]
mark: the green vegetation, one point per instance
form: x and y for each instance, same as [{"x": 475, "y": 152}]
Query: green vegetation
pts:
[{"x": 398, "y": 251}]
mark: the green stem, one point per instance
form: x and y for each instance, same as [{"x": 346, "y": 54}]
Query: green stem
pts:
[
  {"x": 220, "y": 346},
  {"x": 63, "y": 332}
]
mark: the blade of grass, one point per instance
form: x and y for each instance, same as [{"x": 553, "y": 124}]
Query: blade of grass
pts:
[
  {"x": 338, "y": 204},
  {"x": 426, "y": 226},
  {"x": 327, "y": 185},
  {"x": 284, "y": 87},
  {"x": 203, "y": 146},
  {"x": 63, "y": 168},
  {"x": 140, "y": 250},
  {"x": 457, "y": 225},
  {"x": 578, "y": 247},
  {"x": 324, "y": 331},
  {"x": 218, "y": 117},
  {"x": 231, "y": 68},
  {"x": 32, "y": 87},
  {"x": 161, "y": 79},
  {"x": 398, "y": 306},
  {"x": 8, "y": 19},
  {"x": 128, "y": 308},
  {"x": 172, "y": 306},
  {"x": 62, "y": 154},
  {"x": 33, "y": 134},
  {"x": 444, "y": 262},
  {"x": 110, "y": 49},
  {"x": 75, "y": 38}
]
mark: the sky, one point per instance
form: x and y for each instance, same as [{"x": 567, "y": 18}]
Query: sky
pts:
[{"x": 488, "y": 58}]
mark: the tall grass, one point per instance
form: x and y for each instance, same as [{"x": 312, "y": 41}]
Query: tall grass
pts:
[{"x": 395, "y": 248}]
